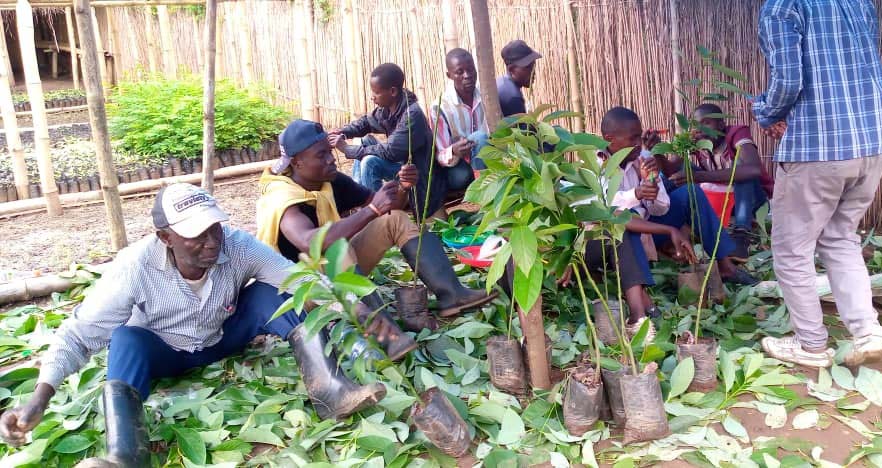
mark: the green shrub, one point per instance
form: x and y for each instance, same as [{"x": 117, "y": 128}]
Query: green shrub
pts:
[{"x": 162, "y": 117}]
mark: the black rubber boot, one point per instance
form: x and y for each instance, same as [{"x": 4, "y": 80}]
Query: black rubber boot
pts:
[
  {"x": 398, "y": 344},
  {"x": 438, "y": 275},
  {"x": 333, "y": 395},
  {"x": 742, "y": 238},
  {"x": 395, "y": 342},
  {"x": 126, "y": 433}
]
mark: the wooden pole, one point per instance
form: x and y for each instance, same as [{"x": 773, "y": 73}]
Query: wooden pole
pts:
[
  {"x": 573, "y": 68},
  {"x": 353, "y": 73},
  {"x": 10, "y": 126},
  {"x": 310, "y": 49},
  {"x": 98, "y": 121},
  {"x": 112, "y": 44},
  {"x": 303, "y": 67},
  {"x": 220, "y": 64},
  {"x": 99, "y": 44},
  {"x": 25, "y": 20},
  {"x": 74, "y": 51},
  {"x": 152, "y": 60},
  {"x": 358, "y": 47},
  {"x": 208, "y": 95},
  {"x": 675, "y": 55},
  {"x": 534, "y": 335},
  {"x": 169, "y": 64},
  {"x": 484, "y": 56},
  {"x": 244, "y": 30},
  {"x": 5, "y": 52},
  {"x": 416, "y": 73},
  {"x": 451, "y": 39}
]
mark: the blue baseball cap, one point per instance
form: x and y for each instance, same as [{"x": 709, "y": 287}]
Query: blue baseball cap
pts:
[{"x": 297, "y": 137}]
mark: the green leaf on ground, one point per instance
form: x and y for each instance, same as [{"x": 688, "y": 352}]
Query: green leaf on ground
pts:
[
  {"x": 191, "y": 444},
  {"x": 869, "y": 384}
]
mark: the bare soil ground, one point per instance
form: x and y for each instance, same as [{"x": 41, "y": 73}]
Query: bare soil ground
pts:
[{"x": 37, "y": 244}]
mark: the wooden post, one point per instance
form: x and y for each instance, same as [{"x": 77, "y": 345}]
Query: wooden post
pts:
[
  {"x": 25, "y": 20},
  {"x": 10, "y": 125},
  {"x": 451, "y": 39},
  {"x": 310, "y": 48},
  {"x": 220, "y": 65},
  {"x": 484, "y": 57},
  {"x": 303, "y": 67},
  {"x": 675, "y": 55},
  {"x": 358, "y": 47},
  {"x": 98, "y": 121},
  {"x": 353, "y": 73},
  {"x": 72, "y": 41},
  {"x": 417, "y": 80},
  {"x": 208, "y": 95},
  {"x": 573, "y": 68},
  {"x": 244, "y": 30},
  {"x": 169, "y": 65},
  {"x": 99, "y": 44},
  {"x": 112, "y": 44},
  {"x": 152, "y": 60},
  {"x": 534, "y": 335},
  {"x": 5, "y": 53}
]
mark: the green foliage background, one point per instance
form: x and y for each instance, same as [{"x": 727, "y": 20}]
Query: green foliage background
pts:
[{"x": 160, "y": 117}]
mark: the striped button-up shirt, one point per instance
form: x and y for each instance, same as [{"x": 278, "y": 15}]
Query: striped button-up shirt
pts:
[
  {"x": 825, "y": 78},
  {"x": 453, "y": 120},
  {"x": 144, "y": 289}
]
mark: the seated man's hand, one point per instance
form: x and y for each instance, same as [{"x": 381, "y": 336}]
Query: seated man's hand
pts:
[
  {"x": 647, "y": 190},
  {"x": 651, "y": 138},
  {"x": 462, "y": 148},
  {"x": 648, "y": 167},
  {"x": 337, "y": 140},
  {"x": 386, "y": 199},
  {"x": 678, "y": 179},
  {"x": 682, "y": 247},
  {"x": 17, "y": 422},
  {"x": 566, "y": 278},
  {"x": 408, "y": 176}
]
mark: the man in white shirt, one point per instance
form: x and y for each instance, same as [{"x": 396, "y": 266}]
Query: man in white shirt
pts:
[
  {"x": 177, "y": 300},
  {"x": 458, "y": 121}
]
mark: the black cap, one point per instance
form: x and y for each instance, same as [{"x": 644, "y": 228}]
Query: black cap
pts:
[
  {"x": 518, "y": 53},
  {"x": 297, "y": 136}
]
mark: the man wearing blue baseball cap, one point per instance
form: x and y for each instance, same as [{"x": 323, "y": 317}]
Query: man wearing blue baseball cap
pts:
[
  {"x": 176, "y": 300},
  {"x": 304, "y": 191}
]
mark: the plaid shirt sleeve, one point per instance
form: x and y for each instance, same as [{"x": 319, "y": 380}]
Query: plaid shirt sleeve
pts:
[{"x": 780, "y": 34}]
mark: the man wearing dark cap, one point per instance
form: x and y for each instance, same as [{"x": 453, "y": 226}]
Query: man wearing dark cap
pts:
[
  {"x": 519, "y": 60},
  {"x": 304, "y": 191},
  {"x": 176, "y": 300}
]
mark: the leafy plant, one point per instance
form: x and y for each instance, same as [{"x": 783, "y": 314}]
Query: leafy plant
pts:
[
  {"x": 541, "y": 184},
  {"x": 161, "y": 117}
]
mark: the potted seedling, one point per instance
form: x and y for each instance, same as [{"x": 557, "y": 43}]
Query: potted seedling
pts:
[
  {"x": 518, "y": 196},
  {"x": 335, "y": 293},
  {"x": 706, "y": 279}
]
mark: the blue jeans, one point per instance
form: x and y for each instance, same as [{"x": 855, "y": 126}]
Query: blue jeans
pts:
[
  {"x": 480, "y": 139},
  {"x": 703, "y": 220},
  {"x": 749, "y": 197},
  {"x": 138, "y": 355},
  {"x": 372, "y": 170}
]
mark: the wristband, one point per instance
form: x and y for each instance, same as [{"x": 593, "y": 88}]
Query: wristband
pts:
[{"x": 375, "y": 209}]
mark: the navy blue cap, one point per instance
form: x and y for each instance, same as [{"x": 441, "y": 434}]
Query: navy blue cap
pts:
[{"x": 297, "y": 137}]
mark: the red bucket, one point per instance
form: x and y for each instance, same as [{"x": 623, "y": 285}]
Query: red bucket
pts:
[{"x": 717, "y": 199}]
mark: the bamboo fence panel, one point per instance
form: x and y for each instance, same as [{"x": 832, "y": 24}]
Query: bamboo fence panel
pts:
[{"x": 623, "y": 48}]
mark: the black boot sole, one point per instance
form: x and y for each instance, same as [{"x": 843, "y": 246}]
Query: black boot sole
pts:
[{"x": 456, "y": 310}]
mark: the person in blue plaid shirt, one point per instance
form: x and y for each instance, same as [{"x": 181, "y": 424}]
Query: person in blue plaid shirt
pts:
[{"x": 824, "y": 100}]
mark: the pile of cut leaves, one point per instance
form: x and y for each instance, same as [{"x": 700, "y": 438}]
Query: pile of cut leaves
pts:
[{"x": 253, "y": 410}]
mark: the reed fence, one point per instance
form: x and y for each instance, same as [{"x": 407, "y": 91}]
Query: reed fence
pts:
[{"x": 623, "y": 50}]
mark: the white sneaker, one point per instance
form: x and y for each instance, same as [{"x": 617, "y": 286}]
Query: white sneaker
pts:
[
  {"x": 632, "y": 330},
  {"x": 788, "y": 349},
  {"x": 865, "y": 349}
]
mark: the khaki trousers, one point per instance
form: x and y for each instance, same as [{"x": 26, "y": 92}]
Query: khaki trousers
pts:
[
  {"x": 368, "y": 247},
  {"x": 817, "y": 207}
]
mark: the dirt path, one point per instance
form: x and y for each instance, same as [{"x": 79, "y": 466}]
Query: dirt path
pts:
[{"x": 38, "y": 243}]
